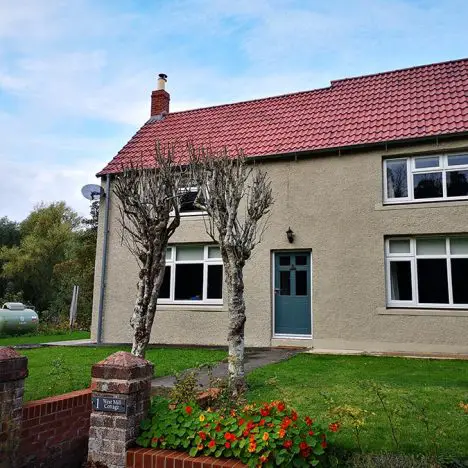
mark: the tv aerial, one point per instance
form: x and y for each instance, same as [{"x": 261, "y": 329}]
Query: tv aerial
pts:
[{"x": 92, "y": 192}]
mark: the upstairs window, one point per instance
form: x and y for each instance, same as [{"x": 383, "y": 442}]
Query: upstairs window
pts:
[
  {"x": 426, "y": 178},
  {"x": 194, "y": 275},
  {"x": 429, "y": 272},
  {"x": 187, "y": 202}
]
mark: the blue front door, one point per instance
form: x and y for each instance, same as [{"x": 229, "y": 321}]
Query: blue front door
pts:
[{"x": 292, "y": 293}]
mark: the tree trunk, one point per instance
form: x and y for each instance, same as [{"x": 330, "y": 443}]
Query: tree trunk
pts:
[{"x": 235, "y": 284}]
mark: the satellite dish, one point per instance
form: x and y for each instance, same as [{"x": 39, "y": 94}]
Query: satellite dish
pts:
[{"x": 92, "y": 192}]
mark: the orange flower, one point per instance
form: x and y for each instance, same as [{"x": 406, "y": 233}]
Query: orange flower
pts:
[
  {"x": 252, "y": 446},
  {"x": 263, "y": 459},
  {"x": 266, "y": 436},
  {"x": 281, "y": 433},
  {"x": 212, "y": 443},
  {"x": 200, "y": 447},
  {"x": 188, "y": 409},
  {"x": 233, "y": 413},
  {"x": 334, "y": 427}
]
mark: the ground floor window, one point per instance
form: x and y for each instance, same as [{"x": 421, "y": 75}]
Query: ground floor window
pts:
[
  {"x": 427, "y": 272},
  {"x": 194, "y": 274}
]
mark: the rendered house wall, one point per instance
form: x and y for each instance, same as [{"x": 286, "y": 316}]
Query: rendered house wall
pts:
[{"x": 334, "y": 206}]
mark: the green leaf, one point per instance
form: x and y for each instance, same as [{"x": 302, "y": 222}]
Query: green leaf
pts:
[{"x": 193, "y": 451}]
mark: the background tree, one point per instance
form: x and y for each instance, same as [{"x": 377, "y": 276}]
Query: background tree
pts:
[
  {"x": 9, "y": 237},
  {"x": 236, "y": 197},
  {"x": 149, "y": 215}
]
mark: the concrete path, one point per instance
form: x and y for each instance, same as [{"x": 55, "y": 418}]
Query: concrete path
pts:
[
  {"x": 84, "y": 342},
  {"x": 254, "y": 359}
]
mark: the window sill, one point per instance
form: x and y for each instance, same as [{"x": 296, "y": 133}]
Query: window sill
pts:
[
  {"x": 192, "y": 308},
  {"x": 423, "y": 312},
  {"x": 417, "y": 205}
]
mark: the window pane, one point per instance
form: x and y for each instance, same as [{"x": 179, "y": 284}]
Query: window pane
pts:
[
  {"x": 284, "y": 261},
  {"x": 459, "y": 280},
  {"x": 189, "y": 282},
  {"x": 168, "y": 253},
  {"x": 430, "y": 246},
  {"x": 285, "y": 288},
  {"x": 457, "y": 183},
  {"x": 457, "y": 160},
  {"x": 397, "y": 181},
  {"x": 301, "y": 283},
  {"x": 189, "y": 253},
  {"x": 432, "y": 281},
  {"x": 215, "y": 282},
  {"x": 214, "y": 252},
  {"x": 187, "y": 201},
  {"x": 427, "y": 161},
  {"x": 301, "y": 259},
  {"x": 428, "y": 185},
  {"x": 400, "y": 281},
  {"x": 398, "y": 246},
  {"x": 164, "y": 292},
  {"x": 459, "y": 246}
]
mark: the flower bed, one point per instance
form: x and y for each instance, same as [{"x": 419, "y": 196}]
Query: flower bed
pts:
[{"x": 270, "y": 434}]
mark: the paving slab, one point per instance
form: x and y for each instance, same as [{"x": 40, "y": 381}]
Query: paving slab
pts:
[
  {"x": 84, "y": 342},
  {"x": 253, "y": 360}
]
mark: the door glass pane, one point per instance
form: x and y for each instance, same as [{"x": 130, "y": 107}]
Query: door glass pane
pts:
[
  {"x": 430, "y": 246},
  {"x": 457, "y": 183},
  {"x": 164, "y": 292},
  {"x": 426, "y": 161},
  {"x": 459, "y": 268},
  {"x": 189, "y": 253},
  {"x": 400, "y": 281},
  {"x": 284, "y": 260},
  {"x": 301, "y": 283},
  {"x": 214, "y": 252},
  {"x": 301, "y": 259},
  {"x": 397, "y": 178},
  {"x": 398, "y": 246},
  {"x": 457, "y": 160},
  {"x": 432, "y": 281},
  {"x": 215, "y": 282},
  {"x": 285, "y": 288},
  {"x": 459, "y": 246},
  {"x": 189, "y": 282},
  {"x": 428, "y": 185}
]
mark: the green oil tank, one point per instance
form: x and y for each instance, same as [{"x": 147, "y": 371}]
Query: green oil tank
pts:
[{"x": 15, "y": 317}]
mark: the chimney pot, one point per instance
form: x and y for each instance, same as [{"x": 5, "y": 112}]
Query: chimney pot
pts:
[{"x": 160, "y": 97}]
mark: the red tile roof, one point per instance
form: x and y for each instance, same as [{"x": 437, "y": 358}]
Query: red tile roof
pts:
[{"x": 398, "y": 105}]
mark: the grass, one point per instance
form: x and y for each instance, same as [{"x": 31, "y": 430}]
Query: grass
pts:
[
  {"x": 56, "y": 370},
  {"x": 438, "y": 386},
  {"x": 36, "y": 339}
]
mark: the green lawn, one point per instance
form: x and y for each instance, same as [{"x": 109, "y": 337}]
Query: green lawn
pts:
[
  {"x": 35, "y": 339},
  {"x": 55, "y": 370},
  {"x": 437, "y": 386}
]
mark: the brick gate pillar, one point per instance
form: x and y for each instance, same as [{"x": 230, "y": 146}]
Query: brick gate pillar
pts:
[
  {"x": 121, "y": 387},
  {"x": 13, "y": 371}
]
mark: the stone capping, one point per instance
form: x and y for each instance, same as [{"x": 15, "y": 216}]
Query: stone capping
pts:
[
  {"x": 152, "y": 458},
  {"x": 122, "y": 366},
  {"x": 12, "y": 365}
]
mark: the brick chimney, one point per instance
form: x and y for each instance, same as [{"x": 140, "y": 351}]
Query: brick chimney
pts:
[{"x": 160, "y": 97}]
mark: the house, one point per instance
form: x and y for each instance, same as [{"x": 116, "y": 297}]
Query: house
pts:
[{"x": 370, "y": 178}]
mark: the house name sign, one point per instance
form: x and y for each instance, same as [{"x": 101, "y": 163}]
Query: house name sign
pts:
[{"x": 110, "y": 405}]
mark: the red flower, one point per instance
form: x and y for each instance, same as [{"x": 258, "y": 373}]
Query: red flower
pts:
[
  {"x": 287, "y": 444},
  {"x": 324, "y": 444},
  {"x": 250, "y": 425},
  {"x": 154, "y": 440},
  {"x": 286, "y": 423},
  {"x": 261, "y": 422},
  {"x": 202, "y": 435},
  {"x": 334, "y": 427},
  {"x": 240, "y": 422},
  {"x": 264, "y": 411},
  {"x": 233, "y": 413},
  {"x": 188, "y": 409},
  {"x": 246, "y": 433},
  {"x": 218, "y": 428},
  {"x": 303, "y": 446},
  {"x": 308, "y": 421},
  {"x": 281, "y": 406},
  {"x": 263, "y": 459},
  {"x": 229, "y": 436},
  {"x": 293, "y": 415},
  {"x": 211, "y": 443},
  {"x": 227, "y": 445},
  {"x": 311, "y": 433}
]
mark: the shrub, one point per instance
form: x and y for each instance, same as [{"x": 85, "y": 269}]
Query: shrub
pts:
[{"x": 267, "y": 435}]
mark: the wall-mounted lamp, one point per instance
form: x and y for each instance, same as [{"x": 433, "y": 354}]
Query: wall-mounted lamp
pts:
[{"x": 290, "y": 235}]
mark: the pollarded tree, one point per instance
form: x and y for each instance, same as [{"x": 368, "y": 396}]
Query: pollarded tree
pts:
[
  {"x": 236, "y": 197},
  {"x": 149, "y": 215}
]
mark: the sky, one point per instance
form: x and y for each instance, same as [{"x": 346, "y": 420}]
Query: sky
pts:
[{"x": 76, "y": 75}]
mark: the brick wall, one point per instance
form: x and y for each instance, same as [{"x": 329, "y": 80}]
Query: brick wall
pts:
[{"x": 55, "y": 431}]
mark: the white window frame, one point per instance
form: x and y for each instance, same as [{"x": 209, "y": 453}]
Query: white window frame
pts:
[
  {"x": 171, "y": 260},
  {"x": 411, "y": 170},
  {"x": 412, "y": 257}
]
